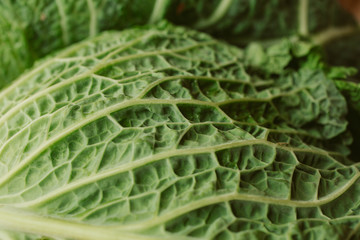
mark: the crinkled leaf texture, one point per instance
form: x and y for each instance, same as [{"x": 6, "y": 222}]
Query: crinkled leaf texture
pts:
[
  {"x": 32, "y": 29},
  {"x": 164, "y": 133}
]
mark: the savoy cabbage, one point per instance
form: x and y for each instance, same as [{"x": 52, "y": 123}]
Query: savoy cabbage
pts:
[
  {"x": 162, "y": 132},
  {"x": 32, "y": 29}
]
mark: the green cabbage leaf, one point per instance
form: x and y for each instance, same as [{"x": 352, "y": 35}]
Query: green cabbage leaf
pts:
[{"x": 165, "y": 133}]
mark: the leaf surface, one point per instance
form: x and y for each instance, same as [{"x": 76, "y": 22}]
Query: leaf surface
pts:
[{"x": 163, "y": 133}]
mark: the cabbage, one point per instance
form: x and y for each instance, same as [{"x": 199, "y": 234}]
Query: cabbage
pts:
[
  {"x": 166, "y": 133},
  {"x": 31, "y": 29}
]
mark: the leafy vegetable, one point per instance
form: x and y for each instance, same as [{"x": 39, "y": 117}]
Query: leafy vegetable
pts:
[
  {"x": 166, "y": 133},
  {"x": 32, "y": 29}
]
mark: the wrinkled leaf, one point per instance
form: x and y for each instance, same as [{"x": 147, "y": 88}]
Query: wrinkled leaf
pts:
[{"x": 162, "y": 133}]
